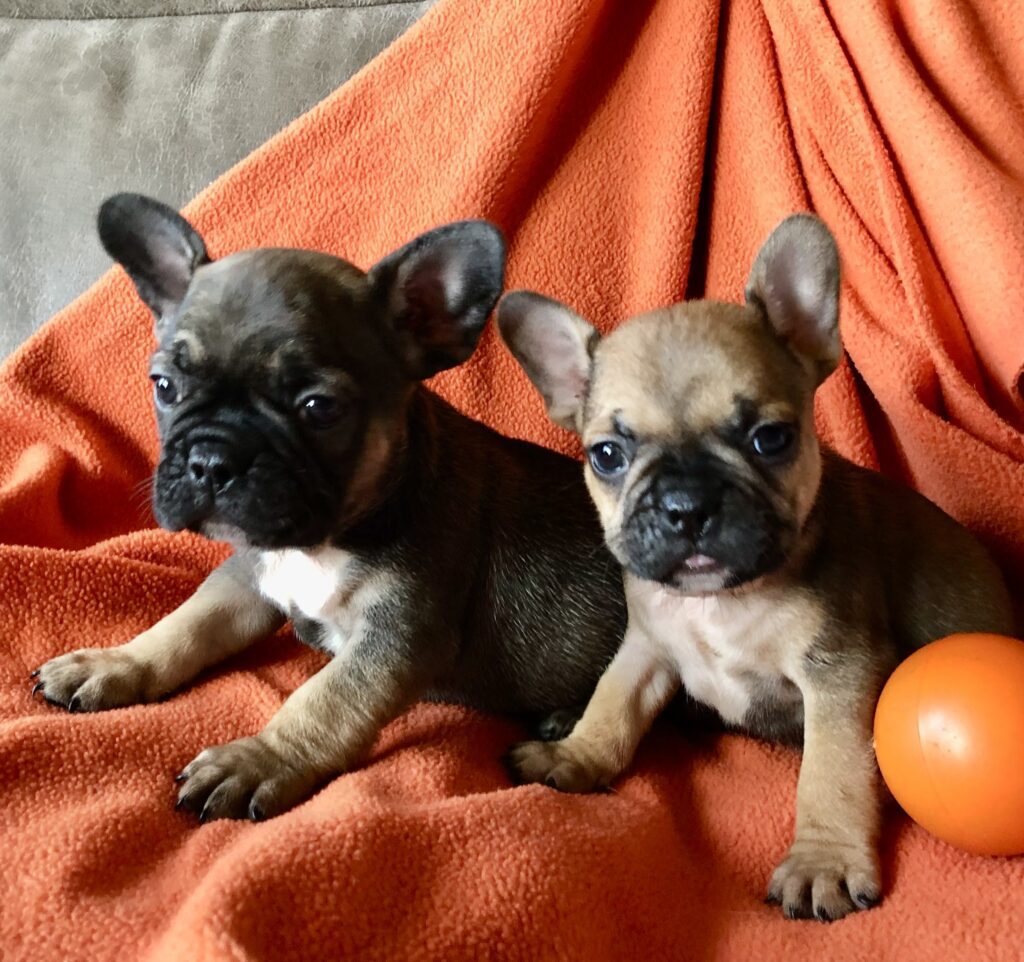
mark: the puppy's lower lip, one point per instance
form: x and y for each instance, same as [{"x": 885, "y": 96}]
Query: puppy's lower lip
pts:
[{"x": 700, "y": 563}]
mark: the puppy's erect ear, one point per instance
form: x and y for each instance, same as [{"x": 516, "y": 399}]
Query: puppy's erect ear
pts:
[
  {"x": 795, "y": 281},
  {"x": 555, "y": 347},
  {"x": 438, "y": 291},
  {"x": 158, "y": 248}
]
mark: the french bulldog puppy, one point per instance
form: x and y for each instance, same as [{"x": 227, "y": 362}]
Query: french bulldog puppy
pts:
[
  {"x": 429, "y": 555},
  {"x": 776, "y": 582}
]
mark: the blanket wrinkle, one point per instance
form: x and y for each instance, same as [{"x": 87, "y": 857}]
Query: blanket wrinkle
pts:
[{"x": 634, "y": 152}]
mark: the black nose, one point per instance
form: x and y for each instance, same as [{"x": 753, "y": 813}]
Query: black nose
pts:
[
  {"x": 212, "y": 464},
  {"x": 682, "y": 513}
]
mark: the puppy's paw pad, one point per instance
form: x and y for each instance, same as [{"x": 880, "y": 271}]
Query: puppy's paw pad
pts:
[
  {"x": 563, "y": 765},
  {"x": 242, "y": 779},
  {"x": 825, "y": 881},
  {"x": 92, "y": 680}
]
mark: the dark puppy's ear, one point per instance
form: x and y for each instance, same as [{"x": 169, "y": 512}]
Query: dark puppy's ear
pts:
[
  {"x": 157, "y": 247},
  {"x": 555, "y": 347},
  {"x": 438, "y": 291},
  {"x": 795, "y": 281}
]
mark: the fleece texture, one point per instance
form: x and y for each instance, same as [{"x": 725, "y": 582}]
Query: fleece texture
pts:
[{"x": 635, "y": 152}]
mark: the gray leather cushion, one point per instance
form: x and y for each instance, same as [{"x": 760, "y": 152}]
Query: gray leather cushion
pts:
[{"x": 158, "y": 96}]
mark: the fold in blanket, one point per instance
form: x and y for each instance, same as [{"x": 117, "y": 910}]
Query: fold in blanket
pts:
[{"x": 635, "y": 151}]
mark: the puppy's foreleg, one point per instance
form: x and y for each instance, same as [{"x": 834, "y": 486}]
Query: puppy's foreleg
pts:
[
  {"x": 225, "y": 615},
  {"x": 832, "y": 867},
  {"x": 631, "y": 692},
  {"x": 325, "y": 726}
]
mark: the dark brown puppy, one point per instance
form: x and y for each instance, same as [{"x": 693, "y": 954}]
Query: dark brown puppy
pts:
[
  {"x": 429, "y": 555},
  {"x": 776, "y": 583}
]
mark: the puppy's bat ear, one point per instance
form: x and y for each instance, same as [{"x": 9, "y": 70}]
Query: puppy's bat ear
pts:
[
  {"x": 795, "y": 282},
  {"x": 157, "y": 247},
  {"x": 438, "y": 291},
  {"x": 554, "y": 347}
]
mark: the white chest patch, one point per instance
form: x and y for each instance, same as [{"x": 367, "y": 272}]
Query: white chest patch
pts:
[
  {"x": 724, "y": 647},
  {"x": 318, "y": 583}
]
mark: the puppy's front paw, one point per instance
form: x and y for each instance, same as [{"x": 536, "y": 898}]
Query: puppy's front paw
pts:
[
  {"x": 826, "y": 881},
  {"x": 246, "y": 778},
  {"x": 568, "y": 765},
  {"x": 93, "y": 680}
]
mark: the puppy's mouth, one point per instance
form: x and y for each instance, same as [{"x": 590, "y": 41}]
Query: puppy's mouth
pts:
[
  {"x": 701, "y": 574},
  {"x": 290, "y": 531},
  {"x": 729, "y": 557},
  {"x": 698, "y": 574},
  {"x": 702, "y": 530},
  {"x": 687, "y": 569},
  {"x": 700, "y": 564}
]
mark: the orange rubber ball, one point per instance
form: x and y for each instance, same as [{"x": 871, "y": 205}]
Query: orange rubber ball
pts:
[{"x": 949, "y": 738}]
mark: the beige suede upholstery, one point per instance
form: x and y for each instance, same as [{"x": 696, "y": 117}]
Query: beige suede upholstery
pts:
[{"x": 158, "y": 96}]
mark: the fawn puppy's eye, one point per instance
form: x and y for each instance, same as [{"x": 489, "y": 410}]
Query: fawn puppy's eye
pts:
[
  {"x": 608, "y": 459},
  {"x": 773, "y": 440}
]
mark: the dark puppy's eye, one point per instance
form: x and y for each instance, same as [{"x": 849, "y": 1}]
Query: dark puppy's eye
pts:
[
  {"x": 320, "y": 410},
  {"x": 608, "y": 459},
  {"x": 164, "y": 389},
  {"x": 773, "y": 440}
]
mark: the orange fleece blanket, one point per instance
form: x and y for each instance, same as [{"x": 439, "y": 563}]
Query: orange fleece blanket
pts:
[{"x": 635, "y": 151}]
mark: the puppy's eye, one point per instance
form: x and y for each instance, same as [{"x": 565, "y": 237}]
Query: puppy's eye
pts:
[
  {"x": 320, "y": 410},
  {"x": 773, "y": 440},
  {"x": 164, "y": 389},
  {"x": 608, "y": 459}
]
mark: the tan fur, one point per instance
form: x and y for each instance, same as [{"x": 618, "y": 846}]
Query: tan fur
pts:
[
  {"x": 365, "y": 490},
  {"x": 695, "y": 358},
  {"x": 711, "y": 645},
  {"x": 834, "y": 852},
  {"x": 192, "y": 345},
  {"x": 870, "y": 572},
  {"x": 324, "y": 727},
  {"x": 419, "y": 548},
  {"x": 222, "y": 617},
  {"x": 629, "y": 696}
]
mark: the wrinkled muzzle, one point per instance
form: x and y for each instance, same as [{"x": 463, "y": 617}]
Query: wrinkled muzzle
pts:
[
  {"x": 244, "y": 476},
  {"x": 702, "y": 531}
]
